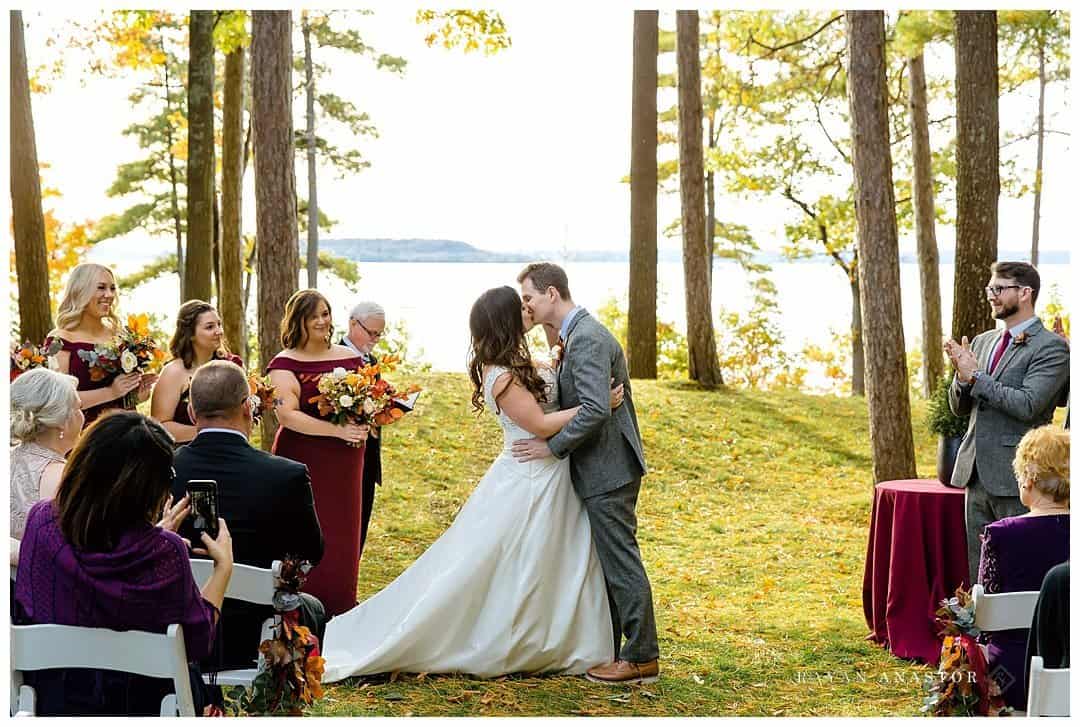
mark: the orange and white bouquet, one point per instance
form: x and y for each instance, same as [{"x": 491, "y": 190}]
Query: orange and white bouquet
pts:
[
  {"x": 262, "y": 395},
  {"x": 26, "y": 356},
  {"x": 134, "y": 350},
  {"x": 362, "y": 396}
]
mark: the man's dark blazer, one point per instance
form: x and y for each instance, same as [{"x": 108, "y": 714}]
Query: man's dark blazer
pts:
[
  {"x": 372, "y": 460},
  {"x": 266, "y": 502}
]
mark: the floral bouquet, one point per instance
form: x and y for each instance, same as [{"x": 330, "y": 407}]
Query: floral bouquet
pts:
[
  {"x": 290, "y": 667},
  {"x": 26, "y": 356},
  {"x": 133, "y": 350},
  {"x": 962, "y": 685},
  {"x": 263, "y": 396},
  {"x": 361, "y": 396}
]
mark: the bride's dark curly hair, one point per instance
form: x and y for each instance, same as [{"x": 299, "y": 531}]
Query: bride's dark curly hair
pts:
[{"x": 498, "y": 339}]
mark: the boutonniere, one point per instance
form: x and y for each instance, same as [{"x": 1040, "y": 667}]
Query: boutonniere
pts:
[
  {"x": 1021, "y": 339},
  {"x": 556, "y": 355}
]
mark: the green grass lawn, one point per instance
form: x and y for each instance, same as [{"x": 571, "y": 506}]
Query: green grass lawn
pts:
[{"x": 752, "y": 522}]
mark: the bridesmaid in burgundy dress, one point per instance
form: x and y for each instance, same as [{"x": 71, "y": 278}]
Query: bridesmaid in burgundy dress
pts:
[
  {"x": 336, "y": 465},
  {"x": 199, "y": 338},
  {"x": 86, "y": 317}
]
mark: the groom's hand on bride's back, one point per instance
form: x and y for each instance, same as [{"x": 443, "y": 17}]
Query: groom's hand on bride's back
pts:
[{"x": 526, "y": 450}]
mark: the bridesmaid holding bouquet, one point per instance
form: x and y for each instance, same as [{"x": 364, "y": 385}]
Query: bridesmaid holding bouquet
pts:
[
  {"x": 333, "y": 453},
  {"x": 87, "y": 318}
]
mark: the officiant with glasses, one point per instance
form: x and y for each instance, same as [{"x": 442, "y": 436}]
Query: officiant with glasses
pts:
[{"x": 367, "y": 323}]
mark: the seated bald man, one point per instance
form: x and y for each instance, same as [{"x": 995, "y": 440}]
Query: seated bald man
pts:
[{"x": 266, "y": 500}]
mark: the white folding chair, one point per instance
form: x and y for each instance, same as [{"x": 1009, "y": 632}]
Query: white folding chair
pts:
[
  {"x": 249, "y": 584},
  {"x": 48, "y": 646},
  {"x": 1048, "y": 691},
  {"x": 1003, "y": 611}
]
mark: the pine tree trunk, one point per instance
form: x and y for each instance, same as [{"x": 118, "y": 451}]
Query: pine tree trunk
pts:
[
  {"x": 275, "y": 181},
  {"x": 704, "y": 366},
  {"x": 641, "y": 322},
  {"x": 1040, "y": 136},
  {"x": 28, "y": 221},
  {"x": 922, "y": 193},
  {"x": 230, "y": 292},
  {"x": 200, "y": 168},
  {"x": 174, "y": 181},
  {"x": 858, "y": 352},
  {"x": 891, "y": 440},
  {"x": 977, "y": 178},
  {"x": 710, "y": 209},
  {"x": 313, "y": 199}
]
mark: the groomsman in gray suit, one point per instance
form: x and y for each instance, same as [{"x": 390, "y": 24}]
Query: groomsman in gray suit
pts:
[
  {"x": 606, "y": 464},
  {"x": 1008, "y": 381}
]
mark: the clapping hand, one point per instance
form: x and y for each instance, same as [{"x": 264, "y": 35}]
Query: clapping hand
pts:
[
  {"x": 1059, "y": 327},
  {"x": 963, "y": 358}
]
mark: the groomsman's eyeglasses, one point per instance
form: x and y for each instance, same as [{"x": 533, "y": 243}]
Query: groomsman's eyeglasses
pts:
[
  {"x": 992, "y": 291},
  {"x": 374, "y": 334}
]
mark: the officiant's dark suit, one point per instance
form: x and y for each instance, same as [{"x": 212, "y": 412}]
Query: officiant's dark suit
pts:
[
  {"x": 268, "y": 506},
  {"x": 372, "y": 458}
]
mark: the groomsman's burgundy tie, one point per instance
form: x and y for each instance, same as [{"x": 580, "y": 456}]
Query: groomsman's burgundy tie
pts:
[{"x": 1000, "y": 351}]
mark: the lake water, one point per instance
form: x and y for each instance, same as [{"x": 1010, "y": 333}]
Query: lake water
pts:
[{"x": 433, "y": 299}]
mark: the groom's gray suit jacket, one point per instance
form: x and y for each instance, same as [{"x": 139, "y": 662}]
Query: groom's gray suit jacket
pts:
[
  {"x": 1020, "y": 395},
  {"x": 606, "y": 445}
]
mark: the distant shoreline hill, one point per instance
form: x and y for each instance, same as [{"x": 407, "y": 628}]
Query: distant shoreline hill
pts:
[{"x": 384, "y": 250}]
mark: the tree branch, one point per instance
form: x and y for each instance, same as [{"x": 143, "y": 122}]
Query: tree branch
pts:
[{"x": 775, "y": 49}]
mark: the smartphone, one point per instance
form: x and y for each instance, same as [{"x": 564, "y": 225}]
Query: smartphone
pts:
[{"x": 204, "y": 509}]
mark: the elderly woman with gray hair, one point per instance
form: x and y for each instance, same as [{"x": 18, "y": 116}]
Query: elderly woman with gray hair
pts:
[{"x": 46, "y": 418}]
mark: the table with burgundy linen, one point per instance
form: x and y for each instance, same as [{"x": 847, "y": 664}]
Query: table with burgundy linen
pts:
[{"x": 915, "y": 557}]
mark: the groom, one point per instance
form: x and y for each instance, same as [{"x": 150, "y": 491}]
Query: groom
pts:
[{"x": 606, "y": 464}]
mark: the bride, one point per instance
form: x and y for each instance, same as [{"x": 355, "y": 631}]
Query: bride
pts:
[{"x": 514, "y": 584}]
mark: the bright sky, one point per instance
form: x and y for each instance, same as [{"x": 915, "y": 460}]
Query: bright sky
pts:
[{"x": 519, "y": 151}]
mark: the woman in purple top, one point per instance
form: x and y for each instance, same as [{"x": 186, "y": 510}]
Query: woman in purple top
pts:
[
  {"x": 94, "y": 557},
  {"x": 85, "y": 318},
  {"x": 199, "y": 339},
  {"x": 1018, "y": 551}
]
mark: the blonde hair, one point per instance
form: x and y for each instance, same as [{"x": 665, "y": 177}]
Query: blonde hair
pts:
[
  {"x": 77, "y": 294},
  {"x": 41, "y": 398},
  {"x": 1042, "y": 458}
]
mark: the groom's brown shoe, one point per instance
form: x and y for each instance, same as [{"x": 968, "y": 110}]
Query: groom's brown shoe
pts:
[{"x": 625, "y": 672}]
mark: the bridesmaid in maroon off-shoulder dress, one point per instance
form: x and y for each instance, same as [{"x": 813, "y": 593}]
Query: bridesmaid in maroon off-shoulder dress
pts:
[
  {"x": 199, "y": 338},
  {"x": 86, "y": 317},
  {"x": 335, "y": 465}
]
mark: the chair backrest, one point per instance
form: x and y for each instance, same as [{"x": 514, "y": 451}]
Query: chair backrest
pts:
[
  {"x": 1003, "y": 611},
  {"x": 1048, "y": 694},
  {"x": 1048, "y": 691},
  {"x": 49, "y": 646},
  {"x": 248, "y": 583}
]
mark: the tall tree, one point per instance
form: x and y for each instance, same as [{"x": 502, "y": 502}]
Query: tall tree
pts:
[
  {"x": 313, "y": 199},
  {"x": 200, "y": 169},
  {"x": 275, "y": 180},
  {"x": 322, "y": 31},
  {"x": 922, "y": 192},
  {"x": 28, "y": 221},
  {"x": 230, "y": 291},
  {"x": 701, "y": 342},
  {"x": 879, "y": 259},
  {"x": 977, "y": 173},
  {"x": 149, "y": 43},
  {"x": 641, "y": 323}
]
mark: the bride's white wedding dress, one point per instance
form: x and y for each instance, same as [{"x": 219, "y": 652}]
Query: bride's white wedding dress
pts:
[{"x": 512, "y": 586}]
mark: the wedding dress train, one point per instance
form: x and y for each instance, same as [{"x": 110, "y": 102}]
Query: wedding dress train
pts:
[{"x": 512, "y": 586}]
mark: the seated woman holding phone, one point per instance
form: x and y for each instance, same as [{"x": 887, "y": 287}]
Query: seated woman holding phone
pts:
[{"x": 94, "y": 557}]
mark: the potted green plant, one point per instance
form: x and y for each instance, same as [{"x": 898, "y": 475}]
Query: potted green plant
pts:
[{"x": 949, "y": 427}]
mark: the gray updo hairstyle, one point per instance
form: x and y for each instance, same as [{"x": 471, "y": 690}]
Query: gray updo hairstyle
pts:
[{"x": 41, "y": 398}]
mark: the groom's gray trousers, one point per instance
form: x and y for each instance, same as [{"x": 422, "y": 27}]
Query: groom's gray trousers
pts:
[{"x": 614, "y": 531}]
